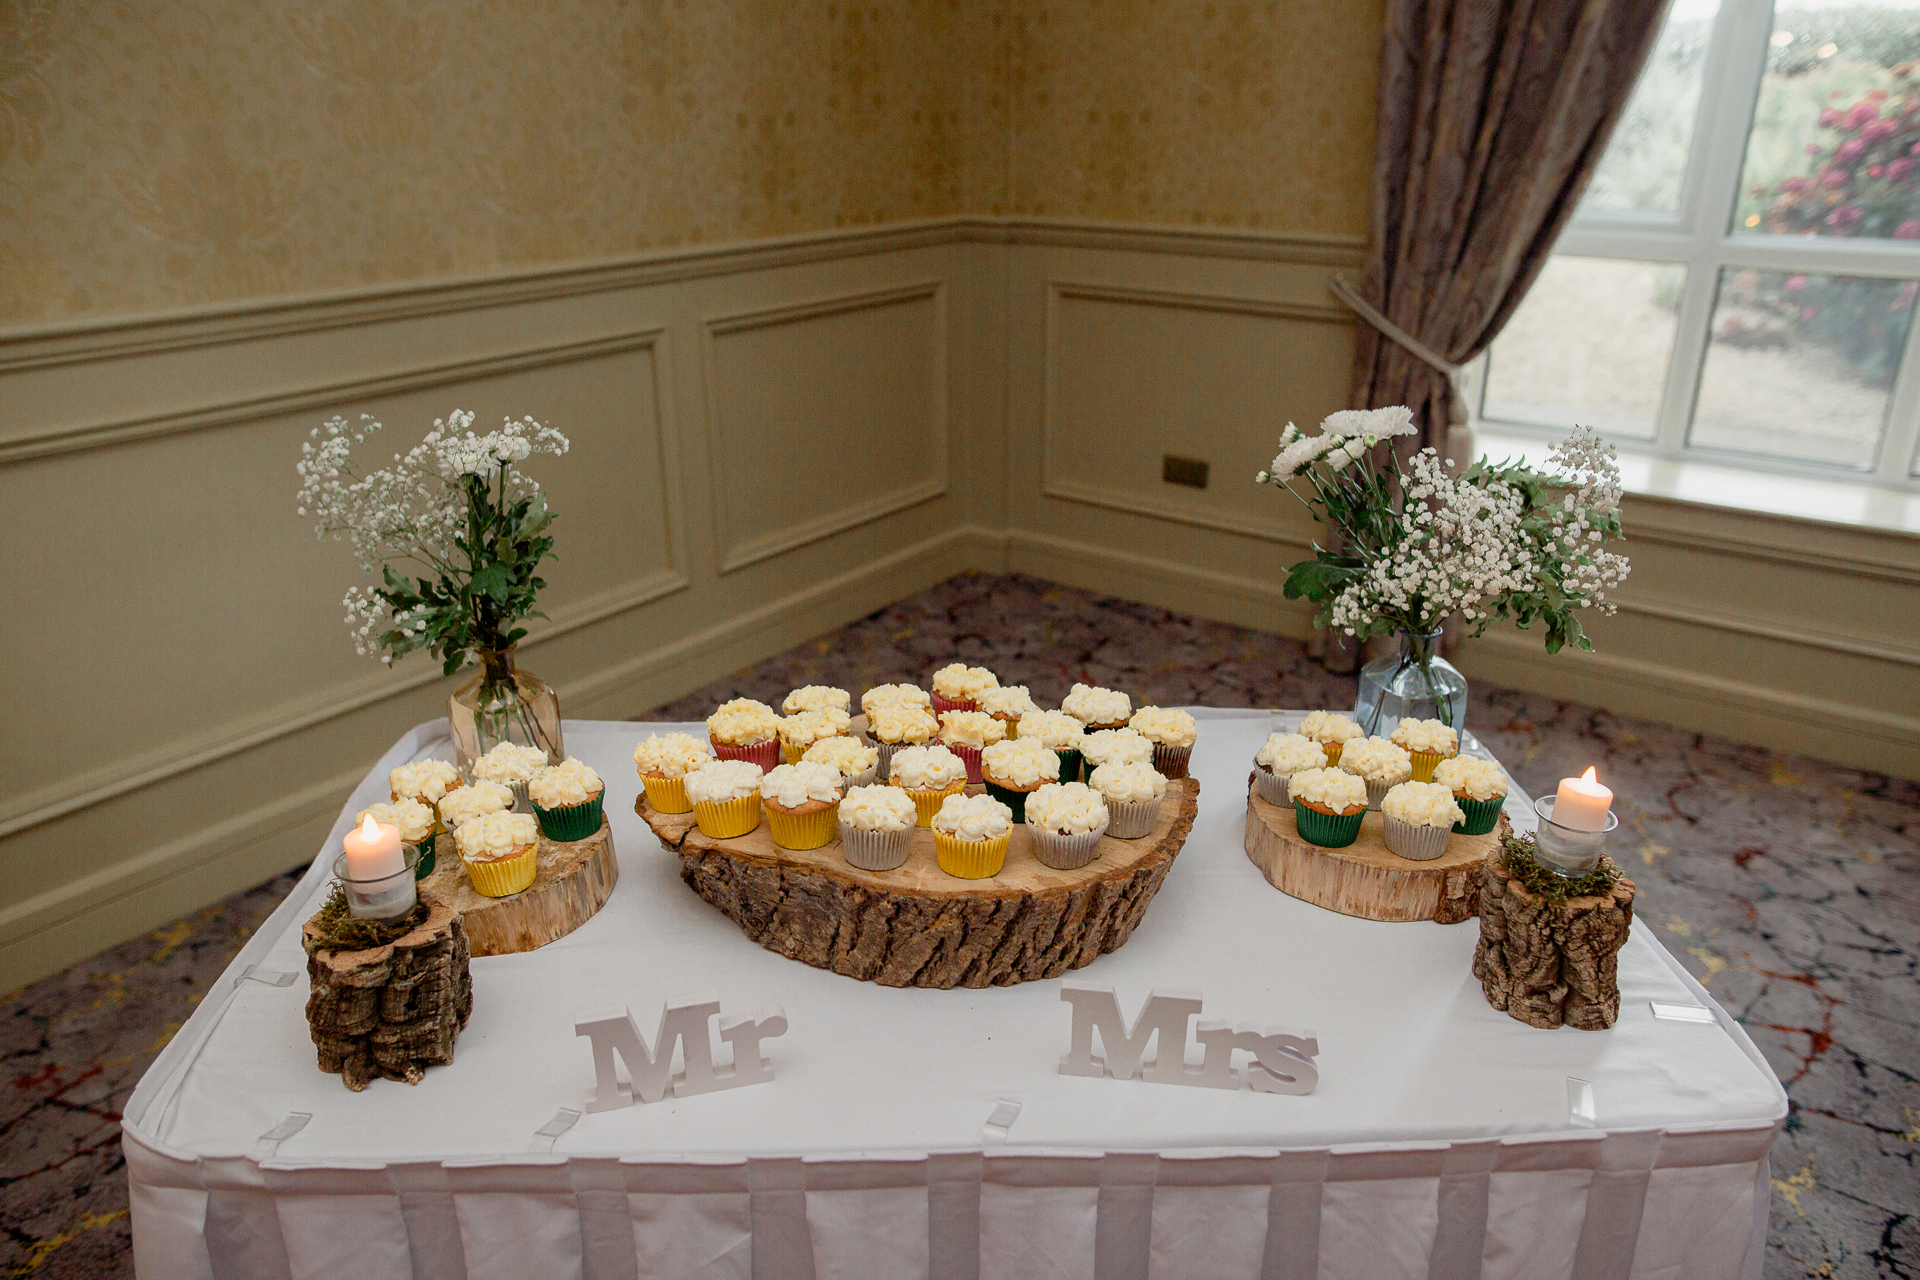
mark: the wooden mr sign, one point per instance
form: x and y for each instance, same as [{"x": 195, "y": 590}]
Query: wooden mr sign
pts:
[{"x": 612, "y": 1031}]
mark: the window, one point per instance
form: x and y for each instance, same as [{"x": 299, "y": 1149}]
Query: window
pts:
[{"x": 1739, "y": 283}]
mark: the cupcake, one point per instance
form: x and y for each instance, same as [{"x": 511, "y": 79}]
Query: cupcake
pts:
[
  {"x": 1479, "y": 787},
  {"x": 1331, "y": 730},
  {"x": 817, "y": 697},
  {"x": 1116, "y": 746},
  {"x": 1328, "y": 806},
  {"x": 567, "y": 798},
  {"x": 746, "y": 730},
  {"x": 911, "y": 695},
  {"x": 1378, "y": 763},
  {"x": 726, "y": 798},
  {"x": 957, "y": 687},
  {"x": 1428, "y": 742},
  {"x": 970, "y": 835},
  {"x": 800, "y": 802},
  {"x": 663, "y": 761},
  {"x": 876, "y": 827},
  {"x": 804, "y": 728},
  {"x": 1014, "y": 770},
  {"x": 1419, "y": 818},
  {"x": 967, "y": 734},
  {"x": 1280, "y": 757},
  {"x": 1066, "y": 821},
  {"x": 1172, "y": 734},
  {"x": 423, "y": 780},
  {"x": 893, "y": 725},
  {"x": 1061, "y": 734},
  {"x": 1097, "y": 708},
  {"x": 499, "y": 850},
  {"x": 1007, "y": 703},
  {"x": 929, "y": 775},
  {"x": 1132, "y": 790},
  {"x": 416, "y": 824},
  {"x": 512, "y": 766},
  {"x": 475, "y": 800},
  {"x": 857, "y": 762}
]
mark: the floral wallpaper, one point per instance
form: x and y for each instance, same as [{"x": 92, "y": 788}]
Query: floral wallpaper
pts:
[{"x": 161, "y": 153}]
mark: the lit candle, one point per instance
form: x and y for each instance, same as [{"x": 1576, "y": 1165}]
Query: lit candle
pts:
[
  {"x": 1582, "y": 804},
  {"x": 373, "y": 851}
]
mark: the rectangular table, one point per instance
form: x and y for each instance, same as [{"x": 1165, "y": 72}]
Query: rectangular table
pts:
[{"x": 1438, "y": 1141}]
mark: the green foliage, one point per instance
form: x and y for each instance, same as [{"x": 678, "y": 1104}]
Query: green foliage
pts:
[
  {"x": 338, "y": 929},
  {"x": 1519, "y": 854}
]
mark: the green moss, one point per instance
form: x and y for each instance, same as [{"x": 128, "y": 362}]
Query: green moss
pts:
[
  {"x": 1517, "y": 852},
  {"x": 340, "y": 930}
]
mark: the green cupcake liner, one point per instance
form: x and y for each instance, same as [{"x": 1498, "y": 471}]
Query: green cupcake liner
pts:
[
  {"x": 1069, "y": 763},
  {"x": 424, "y": 868},
  {"x": 1014, "y": 800},
  {"x": 1482, "y": 815},
  {"x": 1329, "y": 831},
  {"x": 574, "y": 822}
]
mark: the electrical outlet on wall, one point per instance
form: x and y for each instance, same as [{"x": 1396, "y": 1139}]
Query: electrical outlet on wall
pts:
[{"x": 1191, "y": 472}]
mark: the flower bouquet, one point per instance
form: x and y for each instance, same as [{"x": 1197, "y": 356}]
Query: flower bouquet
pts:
[
  {"x": 1416, "y": 545},
  {"x": 454, "y": 506}
]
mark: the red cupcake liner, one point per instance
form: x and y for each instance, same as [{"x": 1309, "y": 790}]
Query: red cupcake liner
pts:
[
  {"x": 971, "y": 757},
  {"x": 947, "y": 704},
  {"x": 765, "y": 754}
]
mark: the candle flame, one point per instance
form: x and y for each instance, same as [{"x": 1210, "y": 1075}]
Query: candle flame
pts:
[
  {"x": 1588, "y": 775},
  {"x": 369, "y": 830}
]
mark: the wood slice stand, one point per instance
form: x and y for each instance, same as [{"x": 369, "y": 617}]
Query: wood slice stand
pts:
[
  {"x": 917, "y": 926},
  {"x": 1548, "y": 965},
  {"x": 572, "y": 880},
  {"x": 1366, "y": 879},
  {"x": 390, "y": 1011}
]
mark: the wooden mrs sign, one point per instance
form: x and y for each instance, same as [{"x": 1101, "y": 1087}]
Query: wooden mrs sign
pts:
[{"x": 1282, "y": 1058}]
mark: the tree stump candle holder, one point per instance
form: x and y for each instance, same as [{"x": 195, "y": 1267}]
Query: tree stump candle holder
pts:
[
  {"x": 390, "y": 1010},
  {"x": 1550, "y": 947}
]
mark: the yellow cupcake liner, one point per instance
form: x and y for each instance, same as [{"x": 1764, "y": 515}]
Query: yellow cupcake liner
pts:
[
  {"x": 504, "y": 877},
  {"x": 666, "y": 795},
  {"x": 790, "y": 754},
  {"x": 929, "y": 802},
  {"x": 971, "y": 859},
  {"x": 1425, "y": 762},
  {"x": 1333, "y": 752},
  {"x": 728, "y": 818},
  {"x": 803, "y": 830}
]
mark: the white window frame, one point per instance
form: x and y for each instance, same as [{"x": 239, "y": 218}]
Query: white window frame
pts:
[{"x": 1697, "y": 237}]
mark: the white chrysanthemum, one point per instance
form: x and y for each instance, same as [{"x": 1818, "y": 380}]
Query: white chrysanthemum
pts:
[{"x": 1372, "y": 424}]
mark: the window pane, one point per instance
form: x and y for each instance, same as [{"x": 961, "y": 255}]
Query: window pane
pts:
[
  {"x": 1589, "y": 345},
  {"x": 1836, "y": 129},
  {"x": 1800, "y": 366},
  {"x": 1647, "y": 156}
]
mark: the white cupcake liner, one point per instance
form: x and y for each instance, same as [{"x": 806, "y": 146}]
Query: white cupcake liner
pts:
[
  {"x": 1064, "y": 853},
  {"x": 875, "y": 850},
  {"x": 1172, "y": 762},
  {"x": 1271, "y": 787},
  {"x": 1377, "y": 791},
  {"x": 864, "y": 779},
  {"x": 1416, "y": 843},
  {"x": 522, "y": 802},
  {"x": 1131, "y": 819}
]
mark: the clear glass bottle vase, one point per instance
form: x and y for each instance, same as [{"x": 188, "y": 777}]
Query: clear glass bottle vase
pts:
[
  {"x": 502, "y": 703},
  {"x": 1416, "y": 682}
]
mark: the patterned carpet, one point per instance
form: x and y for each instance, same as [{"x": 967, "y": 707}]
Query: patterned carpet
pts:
[{"x": 1791, "y": 888}]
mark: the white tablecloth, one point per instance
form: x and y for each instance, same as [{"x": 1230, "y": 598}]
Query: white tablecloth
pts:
[{"x": 1438, "y": 1142}]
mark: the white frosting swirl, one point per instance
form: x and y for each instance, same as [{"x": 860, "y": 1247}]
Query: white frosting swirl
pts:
[
  {"x": 897, "y": 722},
  {"x": 509, "y": 762},
  {"x": 495, "y": 835},
  {"x": 792, "y": 785},
  {"x": 973, "y": 818},
  {"x": 882, "y": 694},
  {"x": 926, "y": 768},
  {"x": 817, "y": 697},
  {"x": 879, "y": 809},
  {"x": 670, "y": 755},
  {"x": 1478, "y": 779},
  {"x": 1116, "y": 746},
  {"x": 1377, "y": 760},
  {"x": 1424, "y": 804},
  {"x": 850, "y": 756},
  {"x": 958, "y": 682},
  {"x": 723, "y": 780},
  {"x": 1067, "y": 809},
  {"x": 1165, "y": 725},
  {"x": 570, "y": 782},
  {"x": 804, "y": 728},
  {"x": 1288, "y": 753},
  {"x": 1426, "y": 735},
  {"x": 743, "y": 722},
  {"x": 425, "y": 780},
  {"x": 475, "y": 800},
  {"x": 1009, "y": 701},
  {"x": 1090, "y": 704},
  {"x": 1128, "y": 780},
  {"x": 1020, "y": 764},
  {"x": 1054, "y": 729},
  {"x": 970, "y": 729},
  {"x": 411, "y": 818},
  {"x": 1332, "y": 789},
  {"x": 1329, "y": 726}
]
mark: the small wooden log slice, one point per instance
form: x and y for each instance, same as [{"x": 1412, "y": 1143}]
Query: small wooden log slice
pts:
[
  {"x": 572, "y": 880},
  {"x": 392, "y": 1011},
  {"x": 1548, "y": 965},
  {"x": 1366, "y": 879},
  {"x": 917, "y": 926}
]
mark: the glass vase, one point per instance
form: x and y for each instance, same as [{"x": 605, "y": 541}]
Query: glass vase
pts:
[
  {"x": 502, "y": 703},
  {"x": 1416, "y": 682}
]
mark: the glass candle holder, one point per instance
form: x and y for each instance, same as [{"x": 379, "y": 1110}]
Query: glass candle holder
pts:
[
  {"x": 385, "y": 897},
  {"x": 1564, "y": 850}
]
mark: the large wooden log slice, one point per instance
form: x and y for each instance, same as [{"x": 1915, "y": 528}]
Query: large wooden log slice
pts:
[
  {"x": 572, "y": 880},
  {"x": 917, "y": 926},
  {"x": 1366, "y": 879},
  {"x": 1550, "y": 965},
  {"x": 390, "y": 1011}
]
